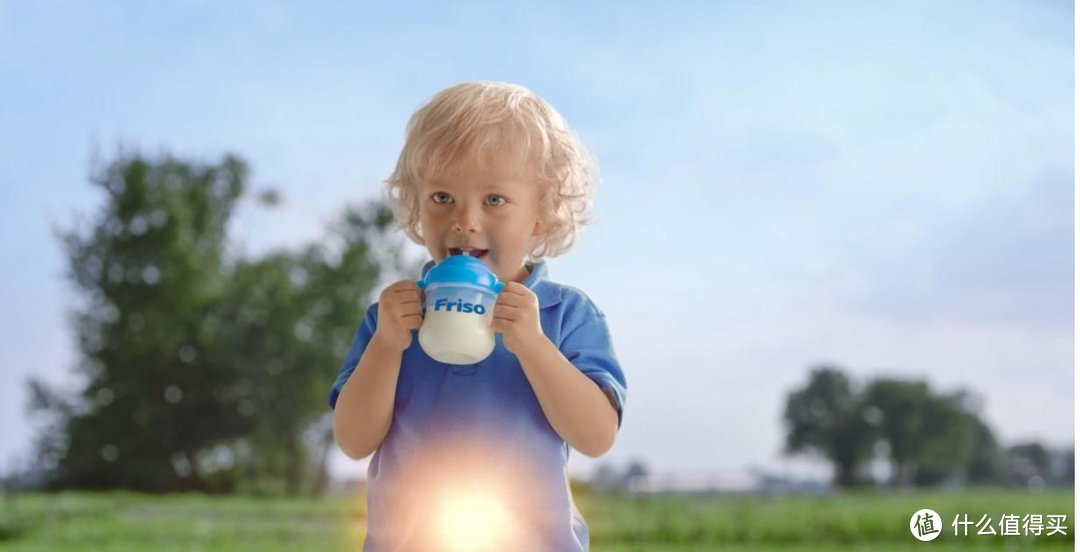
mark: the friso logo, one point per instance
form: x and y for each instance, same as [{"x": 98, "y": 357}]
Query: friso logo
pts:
[{"x": 458, "y": 306}]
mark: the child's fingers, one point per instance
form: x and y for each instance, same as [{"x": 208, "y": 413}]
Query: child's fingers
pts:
[
  {"x": 403, "y": 295},
  {"x": 517, "y": 292},
  {"x": 516, "y": 299},
  {"x": 410, "y": 303},
  {"x": 403, "y": 284},
  {"x": 511, "y": 296},
  {"x": 505, "y": 312},
  {"x": 406, "y": 309},
  {"x": 411, "y": 321},
  {"x": 516, "y": 287},
  {"x": 504, "y": 301},
  {"x": 403, "y": 292}
]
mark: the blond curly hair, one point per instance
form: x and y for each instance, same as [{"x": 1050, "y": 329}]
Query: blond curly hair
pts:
[{"x": 486, "y": 122}]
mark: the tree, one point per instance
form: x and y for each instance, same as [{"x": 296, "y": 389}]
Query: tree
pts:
[
  {"x": 825, "y": 417},
  {"x": 931, "y": 437},
  {"x": 1030, "y": 464},
  {"x": 901, "y": 406},
  {"x": 293, "y": 317},
  {"x": 987, "y": 464},
  {"x": 948, "y": 440},
  {"x": 1067, "y": 475},
  {"x": 149, "y": 268},
  {"x": 200, "y": 370}
]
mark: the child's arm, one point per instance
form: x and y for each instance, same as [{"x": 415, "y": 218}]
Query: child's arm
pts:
[
  {"x": 576, "y": 407},
  {"x": 574, "y": 404},
  {"x": 365, "y": 406}
]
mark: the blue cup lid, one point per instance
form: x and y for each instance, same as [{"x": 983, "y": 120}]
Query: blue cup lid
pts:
[{"x": 461, "y": 270}]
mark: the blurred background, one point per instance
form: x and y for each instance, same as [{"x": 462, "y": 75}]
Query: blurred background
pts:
[{"x": 834, "y": 245}]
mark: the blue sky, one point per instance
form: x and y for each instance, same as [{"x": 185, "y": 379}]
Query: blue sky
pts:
[{"x": 883, "y": 186}]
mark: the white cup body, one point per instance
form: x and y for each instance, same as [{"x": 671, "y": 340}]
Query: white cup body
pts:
[{"x": 457, "y": 324}]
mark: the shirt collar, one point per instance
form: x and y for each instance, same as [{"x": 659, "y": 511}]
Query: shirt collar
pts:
[{"x": 546, "y": 294}]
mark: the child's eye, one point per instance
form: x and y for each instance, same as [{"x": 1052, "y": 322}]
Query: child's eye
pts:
[
  {"x": 441, "y": 197},
  {"x": 495, "y": 201}
]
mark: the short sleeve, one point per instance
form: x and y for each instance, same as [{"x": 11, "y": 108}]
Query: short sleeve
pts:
[
  {"x": 356, "y": 350},
  {"x": 588, "y": 347}
]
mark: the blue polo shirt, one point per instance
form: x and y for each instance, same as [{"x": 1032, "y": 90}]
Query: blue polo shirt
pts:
[{"x": 470, "y": 460}]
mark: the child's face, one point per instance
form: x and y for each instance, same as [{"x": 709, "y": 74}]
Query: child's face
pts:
[{"x": 493, "y": 211}]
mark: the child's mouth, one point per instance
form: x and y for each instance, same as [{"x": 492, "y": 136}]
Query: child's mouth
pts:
[{"x": 477, "y": 253}]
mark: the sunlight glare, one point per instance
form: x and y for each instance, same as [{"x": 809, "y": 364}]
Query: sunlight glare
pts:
[{"x": 472, "y": 520}]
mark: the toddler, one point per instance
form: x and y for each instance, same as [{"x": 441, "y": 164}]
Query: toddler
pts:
[{"x": 474, "y": 457}]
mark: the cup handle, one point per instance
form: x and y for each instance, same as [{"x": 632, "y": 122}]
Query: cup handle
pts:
[{"x": 499, "y": 287}]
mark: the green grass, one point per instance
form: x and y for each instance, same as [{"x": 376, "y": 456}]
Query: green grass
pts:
[
  {"x": 122, "y": 522},
  {"x": 850, "y": 521}
]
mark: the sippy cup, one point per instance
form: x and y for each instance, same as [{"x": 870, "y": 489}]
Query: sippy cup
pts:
[{"x": 459, "y": 297}]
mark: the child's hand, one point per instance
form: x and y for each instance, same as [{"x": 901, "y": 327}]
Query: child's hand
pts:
[
  {"x": 399, "y": 312},
  {"x": 517, "y": 317}
]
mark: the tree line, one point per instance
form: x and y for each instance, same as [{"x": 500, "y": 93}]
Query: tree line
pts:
[{"x": 928, "y": 438}]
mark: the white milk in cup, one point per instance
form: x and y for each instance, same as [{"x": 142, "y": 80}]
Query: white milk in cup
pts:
[{"x": 459, "y": 297}]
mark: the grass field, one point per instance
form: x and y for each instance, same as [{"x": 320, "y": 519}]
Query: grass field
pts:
[{"x": 123, "y": 522}]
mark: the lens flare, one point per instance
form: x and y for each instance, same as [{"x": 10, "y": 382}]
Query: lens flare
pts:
[
  {"x": 466, "y": 495},
  {"x": 472, "y": 519}
]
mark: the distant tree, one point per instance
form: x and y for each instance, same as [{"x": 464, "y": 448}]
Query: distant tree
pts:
[
  {"x": 1067, "y": 476},
  {"x": 826, "y": 417},
  {"x": 931, "y": 437},
  {"x": 605, "y": 476},
  {"x": 635, "y": 471},
  {"x": 1029, "y": 464},
  {"x": 948, "y": 440},
  {"x": 1034, "y": 466},
  {"x": 197, "y": 370},
  {"x": 987, "y": 463},
  {"x": 293, "y": 317},
  {"x": 901, "y": 406},
  {"x": 150, "y": 270},
  {"x": 608, "y": 477}
]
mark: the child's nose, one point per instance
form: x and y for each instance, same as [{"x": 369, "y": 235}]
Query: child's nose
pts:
[{"x": 466, "y": 221}]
